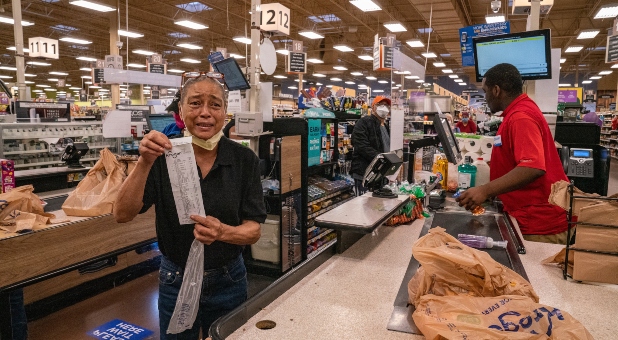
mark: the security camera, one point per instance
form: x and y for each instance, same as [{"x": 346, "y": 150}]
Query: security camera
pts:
[
  {"x": 119, "y": 44},
  {"x": 495, "y": 5}
]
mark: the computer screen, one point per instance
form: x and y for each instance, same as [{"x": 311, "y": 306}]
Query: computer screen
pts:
[
  {"x": 159, "y": 122},
  {"x": 233, "y": 76},
  {"x": 529, "y": 52},
  {"x": 447, "y": 138}
]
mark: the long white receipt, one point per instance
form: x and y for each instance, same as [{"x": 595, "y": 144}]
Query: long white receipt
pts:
[{"x": 184, "y": 179}]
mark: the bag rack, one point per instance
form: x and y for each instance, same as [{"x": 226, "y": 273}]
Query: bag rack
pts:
[{"x": 572, "y": 225}]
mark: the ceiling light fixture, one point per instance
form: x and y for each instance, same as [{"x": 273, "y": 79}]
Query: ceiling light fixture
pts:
[
  {"x": 93, "y": 5},
  {"x": 494, "y": 18},
  {"x": 340, "y": 68},
  {"x": 350, "y": 82},
  {"x": 378, "y": 91},
  {"x": 365, "y": 57},
  {"x": 76, "y": 41},
  {"x": 343, "y": 48},
  {"x": 604, "y": 73},
  {"x": 596, "y": 77},
  {"x": 458, "y": 80},
  {"x": 311, "y": 35},
  {"x": 447, "y": 70},
  {"x": 315, "y": 61},
  {"x": 12, "y": 48},
  {"x": 439, "y": 64},
  {"x": 383, "y": 81},
  {"x": 292, "y": 87},
  {"x": 564, "y": 85},
  {"x": 411, "y": 77},
  {"x": 283, "y": 51},
  {"x": 242, "y": 39},
  {"x": 129, "y": 34},
  {"x": 144, "y": 52},
  {"x": 462, "y": 84},
  {"x": 8, "y": 68},
  {"x": 394, "y": 26},
  {"x": 58, "y": 73},
  {"x": 38, "y": 63},
  {"x": 453, "y": 76},
  {"x": 366, "y": 5},
  {"x": 607, "y": 11},
  {"x": 173, "y": 70},
  {"x": 191, "y": 24},
  {"x": 573, "y": 49},
  {"x": 87, "y": 69},
  {"x": 52, "y": 79},
  {"x": 415, "y": 43},
  {"x": 371, "y": 78},
  {"x": 280, "y": 77},
  {"x": 356, "y": 73},
  {"x": 237, "y": 56},
  {"x": 614, "y": 66},
  {"x": 429, "y": 55},
  {"x": 190, "y": 46},
  {"x": 12, "y": 22},
  {"x": 562, "y": 60},
  {"x": 86, "y": 77},
  {"x": 86, "y": 58},
  {"x": 587, "y": 34},
  {"x": 586, "y": 81},
  {"x": 319, "y": 75},
  {"x": 29, "y": 75},
  {"x": 191, "y": 61},
  {"x": 41, "y": 85},
  {"x": 136, "y": 65},
  {"x": 5, "y": 77}
]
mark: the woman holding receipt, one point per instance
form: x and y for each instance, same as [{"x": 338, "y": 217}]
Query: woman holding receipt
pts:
[{"x": 232, "y": 196}]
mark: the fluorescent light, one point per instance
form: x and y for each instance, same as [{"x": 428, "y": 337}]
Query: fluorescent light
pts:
[
  {"x": 587, "y": 34},
  {"x": 95, "y": 87},
  {"x": 319, "y": 75},
  {"x": 87, "y": 69},
  {"x": 173, "y": 70},
  {"x": 13, "y": 48},
  {"x": 394, "y": 87},
  {"x": 191, "y": 24},
  {"x": 38, "y": 63},
  {"x": 356, "y": 73},
  {"x": 190, "y": 46},
  {"x": 340, "y": 68},
  {"x": 86, "y": 77},
  {"x": 130, "y": 34},
  {"x": 439, "y": 64},
  {"x": 419, "y": 81},
  {"x": 411, "y": 77},
  {"x": 453, "y": 76},
  {"x": 311, "y": 35},
  {"x": 144, "y": 52},
  {"x": 76, "y": 41},
  {"x": 586, "y": 81},
  {"x": 242, "y": 39},
  {"x": 41, "y": 85},
  {"x": 614, "y": 66},
  {"x": 350, "y": 82},
  {"x": 573, "y": 49},
  {"x": 102, "y": 90},
  {"x": 335, "y": 79},
  {"x": 382, "y": 81},
  {"x": 315, "y": 61},
  {"x": 462, "y": 84},
  {"x": 401, "y": 72},
  {"x": 458, "y": 80},
  {"x": 343, "y": 48},
  {"x": 394, "y": 26},
  {"x": 58, "y": 73},
  {"x": 447, "y": 70},
  {"x": 562, "y": 60},
  {"x": 29, "y": 75},
  {"x": 136, "y": 65},
  {"x": 415, "y": 43},
  {"x": 318, "y": 84},
  {"x": 37, "y": 91},
  {"x": 564, "y": 85},
  {"x": 75, "y": 88},
  {"x": 5, "y": 77},
  {"x": 237, "y": 56},
  {"x": 86, "y": 58},
  {"x": 147, "y": 87},
  {"x": 607, "y": 11},
  {"x": 11, "y": 21},
  {"x": 604, "y": 73},
  {"x": 189, "y": 60},
  {"x": 52, "y": 79},
  {"x": 283, "y": 51},
  {"x": 88, "y": 82},
  {"x": 280, "y": 77},
  {"x": 50, "y": 90},
  {"x": 292, "y": 87},
  {"x": 429, "y": 55},
  {"x": 366, "y": 5},
  {"x": 8, "y": 68},
  {"x": 494, "y": 18},
  {"x": 596, "y": 77},
  {"x": 378, "y": 91},
  {"x": 365, "y": 57},
  {"x": 93, "y": 6},
  {"x": 371, "y": 78}
]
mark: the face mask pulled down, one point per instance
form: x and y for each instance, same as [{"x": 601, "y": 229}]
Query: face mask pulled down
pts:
[
  {"x": 209, "y": 144},
  {"x": 382, "y": 111}
]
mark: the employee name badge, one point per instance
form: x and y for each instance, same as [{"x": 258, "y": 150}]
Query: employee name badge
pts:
[{"x": 498, "y": 140}]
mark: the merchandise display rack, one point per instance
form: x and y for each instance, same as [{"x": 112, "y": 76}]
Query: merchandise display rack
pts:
[{"x": 572, "y": 225}]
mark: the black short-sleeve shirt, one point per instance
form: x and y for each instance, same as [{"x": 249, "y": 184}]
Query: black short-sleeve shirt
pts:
[{"x": 231, "y": 192}]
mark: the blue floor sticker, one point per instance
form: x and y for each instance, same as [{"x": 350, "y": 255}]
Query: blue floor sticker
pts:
[{"x": 119, "y": 330}]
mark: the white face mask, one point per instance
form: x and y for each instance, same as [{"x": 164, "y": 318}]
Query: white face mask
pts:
[{"x": 382, "y": 111}]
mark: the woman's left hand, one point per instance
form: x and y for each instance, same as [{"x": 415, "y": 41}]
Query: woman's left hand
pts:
[{"x": 207, "y": 229}]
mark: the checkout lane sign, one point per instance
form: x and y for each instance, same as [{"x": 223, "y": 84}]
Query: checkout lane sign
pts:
[{"x": 119, "y": 330}]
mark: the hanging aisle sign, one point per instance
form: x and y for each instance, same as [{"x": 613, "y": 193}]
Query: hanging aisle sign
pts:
[
  {"x": 611, "y": 52},
  {"x": 155, "y": 64},
  {"x": 275, "y": 18},
  {"x": 466, "y": 35},
  {"x": 43, "y": 47},
  {"x": 297, "y": 62}
]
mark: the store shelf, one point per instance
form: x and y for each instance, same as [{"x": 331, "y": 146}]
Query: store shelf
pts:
[
  {"x": 319, "y": 250},
  {"x": 322, "y": 211},
  {"x": 604, "y": 140},
  {"x": 102, "y": 146},
  {"x": 336, "y": 193},
  {"x": 326, "y": 232},
  {"x": 28, "y": 165},
  {"x": 606, "y": 133},
  {"x": 25, "y": 152}
]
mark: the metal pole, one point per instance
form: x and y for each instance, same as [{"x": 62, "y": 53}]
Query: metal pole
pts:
[
  {"x": 19, "y": 49},
  {"x": 254, "y": 64},
  {"x": 114, "y": 50}
]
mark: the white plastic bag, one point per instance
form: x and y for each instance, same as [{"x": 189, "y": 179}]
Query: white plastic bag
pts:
[{"x": 188, "y": 301}]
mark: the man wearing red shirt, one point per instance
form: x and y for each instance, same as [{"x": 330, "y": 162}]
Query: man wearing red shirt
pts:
[
  {"x": 465, "y": 124},
  {"x": 524, "y": 161}
]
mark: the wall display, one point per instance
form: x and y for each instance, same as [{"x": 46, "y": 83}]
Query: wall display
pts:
[
  {"x": 275, "y": 18},
  {"x": 570, "y": 95},
  {"x": 466, "y": 35},
  {"x": 611, "y": 52},
  {"x": 42, "y": 112},
  {"x": 314, "y": 141},
  {"x": 508, "y": 48},
  {"x": 43, "y": 47}
]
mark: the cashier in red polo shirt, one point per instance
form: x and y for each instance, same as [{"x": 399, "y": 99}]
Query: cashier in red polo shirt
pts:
[{"x": 524, "y": 160}]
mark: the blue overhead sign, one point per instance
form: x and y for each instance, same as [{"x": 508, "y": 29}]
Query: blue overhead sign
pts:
[{"x": 466, "y": 35}]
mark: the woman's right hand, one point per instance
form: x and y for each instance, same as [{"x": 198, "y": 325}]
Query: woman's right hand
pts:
[{"x": 153, "y": 145}]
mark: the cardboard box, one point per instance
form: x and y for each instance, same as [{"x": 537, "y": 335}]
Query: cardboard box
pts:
[
  {"x": 7, "y": 177},
  {"x": 594, "y": 267}
]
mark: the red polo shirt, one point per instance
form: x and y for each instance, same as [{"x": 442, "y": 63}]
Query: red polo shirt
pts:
[
  {"x": 527, "y": 141},
  {"x": 470, "y": 128}
]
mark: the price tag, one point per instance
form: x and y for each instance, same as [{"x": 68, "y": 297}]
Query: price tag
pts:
[{"x": 275, "y": 18}]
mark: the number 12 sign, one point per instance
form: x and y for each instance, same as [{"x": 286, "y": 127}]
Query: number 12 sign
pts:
[{"x": 275, "y": 18}]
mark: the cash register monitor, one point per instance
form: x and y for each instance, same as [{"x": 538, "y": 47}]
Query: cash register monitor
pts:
[
  {"x": 159, "y": 121},
  {"x": 384, "y": 164},
  {"x": 447, "y": 138}
]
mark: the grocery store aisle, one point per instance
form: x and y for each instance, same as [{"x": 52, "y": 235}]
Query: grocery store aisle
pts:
[{"x": 134, "y": 302}]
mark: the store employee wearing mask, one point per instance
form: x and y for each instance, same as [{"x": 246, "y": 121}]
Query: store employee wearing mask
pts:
[
  {"x": 233, "y": 203},
  {"x": 466, "y": 125},
  {"x": 370, "y": 138}
]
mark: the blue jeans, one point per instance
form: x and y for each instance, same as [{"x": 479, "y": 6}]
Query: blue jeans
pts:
[{"x": 223, "y": 289}]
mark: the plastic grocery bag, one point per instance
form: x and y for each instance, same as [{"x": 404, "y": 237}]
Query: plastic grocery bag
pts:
[
  {"x": 96, "y": 193},
  {"x": 506, "y": 317},
  {"x": 188, "y": 300},
  {"x": 451, "y": 268}
]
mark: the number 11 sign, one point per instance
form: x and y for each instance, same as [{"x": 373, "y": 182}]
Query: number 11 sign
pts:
[{"x": 275, "y": 18}]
